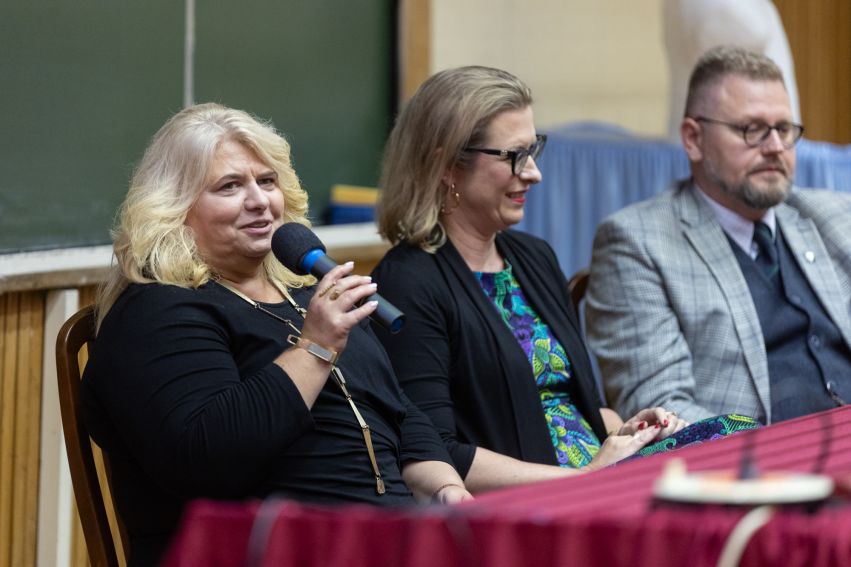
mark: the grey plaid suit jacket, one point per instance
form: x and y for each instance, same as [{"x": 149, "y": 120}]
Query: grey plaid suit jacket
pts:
[{"x": 669, "y": 313}]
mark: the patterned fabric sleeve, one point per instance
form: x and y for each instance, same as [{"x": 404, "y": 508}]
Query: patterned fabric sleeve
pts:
[{"x": 698, "y": 432}]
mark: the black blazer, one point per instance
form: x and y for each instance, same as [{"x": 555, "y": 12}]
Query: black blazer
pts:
[{"x": 459, "y": 362}]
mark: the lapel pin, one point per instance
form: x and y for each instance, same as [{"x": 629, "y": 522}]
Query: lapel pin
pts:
[{"x": 810, "y": 256}]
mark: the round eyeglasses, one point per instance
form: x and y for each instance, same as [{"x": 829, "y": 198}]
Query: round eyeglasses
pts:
[
  {"x": 518, "y": 157},
  {"x": 755, "y": 133}
]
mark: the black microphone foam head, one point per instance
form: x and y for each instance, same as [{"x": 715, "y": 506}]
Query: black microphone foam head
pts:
[{"x": 291, "y": 242}]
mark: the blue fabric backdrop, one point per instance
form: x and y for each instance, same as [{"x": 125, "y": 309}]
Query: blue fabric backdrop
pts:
[{"x": 591, "y": 170}]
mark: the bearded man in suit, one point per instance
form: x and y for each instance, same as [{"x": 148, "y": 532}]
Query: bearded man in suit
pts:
[{"x": 731, "y": 291}]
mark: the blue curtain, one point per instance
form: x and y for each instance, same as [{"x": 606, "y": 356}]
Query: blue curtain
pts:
[{"x": 591, "y": 170}]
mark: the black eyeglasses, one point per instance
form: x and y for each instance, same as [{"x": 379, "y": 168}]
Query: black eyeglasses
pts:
[
  {"x": 755, "y": 133},
  {"x": 518, "y": 157}
]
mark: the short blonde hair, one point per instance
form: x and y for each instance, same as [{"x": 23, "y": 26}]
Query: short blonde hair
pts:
[
  {"x": 723, "y": 61},
  {"x": 151, "y": 241},
  {"x": 450, "y": 111}
]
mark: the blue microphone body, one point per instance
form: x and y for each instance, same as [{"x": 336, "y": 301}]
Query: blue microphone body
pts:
[
  {"x": 317, "y": 260},
  {"x": 297, "y": 248}
]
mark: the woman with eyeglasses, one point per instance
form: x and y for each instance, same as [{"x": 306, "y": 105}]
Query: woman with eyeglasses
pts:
[{"x": 491, "y": 350}]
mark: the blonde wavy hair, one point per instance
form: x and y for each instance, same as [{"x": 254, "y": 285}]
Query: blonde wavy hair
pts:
[
  {"x": 450, "y": 111},
  {"x": 151, "y": 241}
]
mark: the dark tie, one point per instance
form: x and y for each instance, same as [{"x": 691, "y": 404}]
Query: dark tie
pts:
[{"x": 767, "y": 256}]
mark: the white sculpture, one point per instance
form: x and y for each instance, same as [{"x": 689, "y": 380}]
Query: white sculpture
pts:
[{"x": 694, "y": 26}]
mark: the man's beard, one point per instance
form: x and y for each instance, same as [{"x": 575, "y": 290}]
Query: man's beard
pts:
[
  {"x": 751, "y": 195},
  {"x": 755, "y": 198}
]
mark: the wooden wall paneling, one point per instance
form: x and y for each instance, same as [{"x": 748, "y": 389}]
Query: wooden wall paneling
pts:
[
  {"x": 832, "y": 55},
  {"x": 820, "y": 39},
  {"x": 415, "y": 48},
  {"x": 842, "y": 51},
  {"x": 8, "y": 346},
  {"x": 795, "y": 23},
  {"x": 29, "y": 401},
  {"x": 22, "y": 319},
  {"x": 5, "y": 430},
  {"x": 87, "y": 295},
  {"x": 20, "y": 443},
  {"x": 79, "y": 551}
]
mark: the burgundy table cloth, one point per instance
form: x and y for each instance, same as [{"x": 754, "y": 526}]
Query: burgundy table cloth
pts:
[{"x": 606, "y": 518}]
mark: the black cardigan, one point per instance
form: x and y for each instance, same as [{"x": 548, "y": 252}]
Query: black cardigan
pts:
[
  {"x": 460, "y": 363},
  {"x": 182, "y": 392}
]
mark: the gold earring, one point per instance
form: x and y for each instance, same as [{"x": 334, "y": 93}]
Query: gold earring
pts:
[{"x": 455, "y": 195}]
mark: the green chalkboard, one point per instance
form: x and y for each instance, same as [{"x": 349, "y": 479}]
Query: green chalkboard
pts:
[{"x": 84, "y": 84}]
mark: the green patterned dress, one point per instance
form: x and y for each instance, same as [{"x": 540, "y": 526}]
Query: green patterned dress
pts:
[{"x": 574, "y": 442}]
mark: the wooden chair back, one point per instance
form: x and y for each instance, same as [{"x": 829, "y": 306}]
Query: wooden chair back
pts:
[
  {"x": 576, "y": 285},
  {"x": 77, "y": 332}
]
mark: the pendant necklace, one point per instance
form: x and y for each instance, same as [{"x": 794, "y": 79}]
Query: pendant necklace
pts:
[{"x": 331, "y": 357}]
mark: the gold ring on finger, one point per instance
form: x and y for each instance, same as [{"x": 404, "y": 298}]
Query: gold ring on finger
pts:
[
  {"x": 334, "y": 295},
  {"x": 325, "y": 291}
]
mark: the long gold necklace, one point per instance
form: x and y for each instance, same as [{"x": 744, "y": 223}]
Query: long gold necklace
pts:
[{"x": 335, "y": 372}]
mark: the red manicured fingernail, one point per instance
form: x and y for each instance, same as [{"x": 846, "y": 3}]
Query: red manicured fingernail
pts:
[
  {"x": 642, "y": 425},
  {"x": 665, "y": 423},
  {"x": 658, "y": 426}
]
